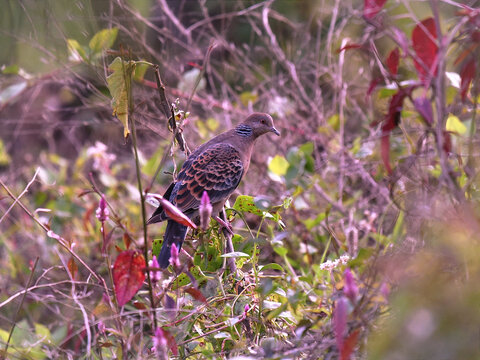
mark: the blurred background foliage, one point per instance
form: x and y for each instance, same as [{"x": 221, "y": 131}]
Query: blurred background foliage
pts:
[{"x": 336, "y": 257}]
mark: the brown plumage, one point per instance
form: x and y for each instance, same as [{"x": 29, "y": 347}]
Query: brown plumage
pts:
[{"x": 215, "y": 167}]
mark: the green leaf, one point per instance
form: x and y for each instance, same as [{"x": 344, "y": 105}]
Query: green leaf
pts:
[
  {"x": 245, "y": 203},
  {"x": 119, "y": 85},
  {"x": 280, "y": 250},
  {"x": 104, "y": 39},
  {"x": 4, "y": 157},
  {"x": 10, "y": 70},
  {"x": 43, "y": 332},
  {"x": 76, "y": 52},
  {"x": 278, "y": 165},
  {"x": 307, "y": 148},
  {"x": 247, "y": 97},
  {"x": 455, "y": 125},
  {"x": 311, "y": 223},
  {"x": 334, "y": 122},
  {"x": 272, "y": 266},
  {"x": 140, "y": 71},
  {"x": 156, "y": 246}
]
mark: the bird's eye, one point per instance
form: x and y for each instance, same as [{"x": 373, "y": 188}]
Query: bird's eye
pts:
[{"x": 263, "y": 121}]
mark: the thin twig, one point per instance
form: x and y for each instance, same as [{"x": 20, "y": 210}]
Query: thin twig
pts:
[
  {"x": 4, "y": 355},
  {"x": 21, "y": 195}
]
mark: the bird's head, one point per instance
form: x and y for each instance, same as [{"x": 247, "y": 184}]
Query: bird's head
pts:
[{"x": 258, "y": 124}]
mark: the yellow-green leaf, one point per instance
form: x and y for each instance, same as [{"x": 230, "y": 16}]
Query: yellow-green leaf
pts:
[
  {"x": 245, "y": 203},
  {"x": 247, "y": 97},
  {"x": 104, "y": 39},
  {"x": 76, "y": 52},
  {"x": 455, "y": 125},
  {"x": 4, "y": 157},
  {"x": 140, "y": 71},
  {"x": 278, "y": 165},
  {"x": 43, "y": 332},
  {"x": 119, "y": 85}
]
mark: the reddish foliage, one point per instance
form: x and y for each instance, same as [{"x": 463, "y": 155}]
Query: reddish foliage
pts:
[
  {"x": 128, "y": 275},
  {"x": 425, "y": 46},
  {"x": 372, "y": 7},
  {"x": 172, "y": 344},
  {"x": 392, "y": 120},
  {"x": 175, "y": 214},
  {"x": 196, "y": 294},
  {"x": 349, "y": 47},
  {"x": 127, "y": 240},
  {"x": 475, "y": 36},
  {"x": 349, "y": 345},
  {"x": 466, "y": 74},
  {"x": 72, "y": 267},
  {"x": 447, "y": 142},
  {"x": 372, "y": 86},
  {"x": 392, "y": 61}
]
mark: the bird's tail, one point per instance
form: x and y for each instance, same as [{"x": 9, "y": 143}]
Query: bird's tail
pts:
[{"x": 174, "y": 234}]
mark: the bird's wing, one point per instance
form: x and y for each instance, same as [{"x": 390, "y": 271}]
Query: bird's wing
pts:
[{"x": 217, "y": 170}]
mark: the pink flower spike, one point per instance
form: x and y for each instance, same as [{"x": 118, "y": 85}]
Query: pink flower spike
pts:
[
  {"x": 350, "y": 289},
  {"x": 160, "y": 341},
  {"x": 102, "y": 212},
  {"x": 205, "y": 210},
  {"x": 156, "y": 275},
  {"x": 340, "y": 321},
  {"x": 174, "y": 259}
]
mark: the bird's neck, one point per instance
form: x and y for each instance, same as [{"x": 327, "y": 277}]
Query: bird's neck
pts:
[{"x": 244, "y": 130}]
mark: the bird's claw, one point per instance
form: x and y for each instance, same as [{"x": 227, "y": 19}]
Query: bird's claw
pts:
[{"x": 225, "y": 225}]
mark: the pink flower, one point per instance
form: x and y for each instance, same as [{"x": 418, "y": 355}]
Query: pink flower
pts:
[
  {"x": 350, "y": 288},
  {"x": 340, "y": 321},
  {"x": 160, "y": 341},
  {"x": 174, "y": 259},
  {"x": 155, "y": 275},
  {"x": 205, "y": 211},
  {"x": 102, "y": 212}
]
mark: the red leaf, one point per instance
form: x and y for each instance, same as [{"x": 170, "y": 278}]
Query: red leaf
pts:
[
  {"x": 424, "y": 108},
  {"x": 467, "y": 74},
  {"x": 372, "y": 7},
  {"x": 394, "y": 109},
  {"x": 175, "y": 214},
  {"x": 72, "y": 267},
  {"x": 391, "y": 121},
  {"x": 128, "y": 275},
  {"x": 127, "y": 240},
  {"x": 372, "y": 86},
  {"x": 172, "y": 344},
  {"x": 424, "y": 38},
  {"x": 447, "y": 142},
  {"x": 196, "y": 294},
  {"x": 349, "y": 345},
  {"x": 385, "y": 152},
  {"x": 392, "y": 61},
  {"x": 348, "y": 47}
]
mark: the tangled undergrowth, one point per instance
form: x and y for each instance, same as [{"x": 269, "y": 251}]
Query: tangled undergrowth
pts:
[{"x": 355, "y": 235}]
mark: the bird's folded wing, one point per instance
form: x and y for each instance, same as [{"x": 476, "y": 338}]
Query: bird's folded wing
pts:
[{"x": 217, "y": 170}]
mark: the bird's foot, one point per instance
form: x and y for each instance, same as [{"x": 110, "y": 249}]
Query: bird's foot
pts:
[{"x": 225, "y": 225}]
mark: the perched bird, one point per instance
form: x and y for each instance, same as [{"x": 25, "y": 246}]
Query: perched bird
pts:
[{"x": 215, "y": 167}]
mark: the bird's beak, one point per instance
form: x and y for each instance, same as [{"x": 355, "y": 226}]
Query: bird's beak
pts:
[{"x": 275, "y": 131}]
